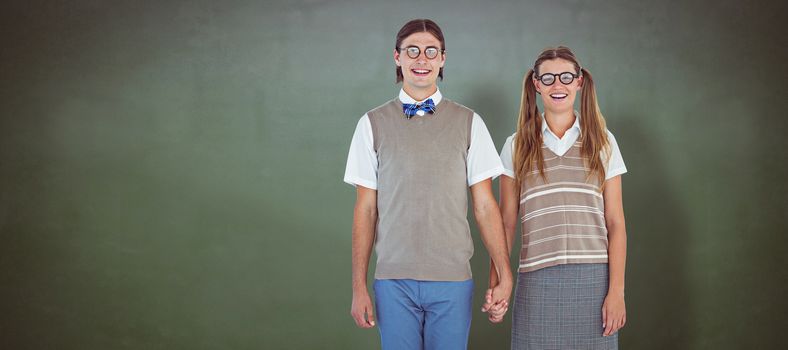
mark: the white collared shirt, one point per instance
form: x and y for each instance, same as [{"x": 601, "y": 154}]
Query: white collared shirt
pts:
[
  {"x": 560, "y": 145},
  {"x": 362, "y": 161}
]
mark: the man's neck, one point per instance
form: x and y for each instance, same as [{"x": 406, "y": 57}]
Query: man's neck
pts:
[
  {"x": 419, "y": 94},
  {"x": 559, "y": 122}
]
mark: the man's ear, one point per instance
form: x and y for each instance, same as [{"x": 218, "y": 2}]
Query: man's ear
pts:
[{"x": 396, "y": 58}]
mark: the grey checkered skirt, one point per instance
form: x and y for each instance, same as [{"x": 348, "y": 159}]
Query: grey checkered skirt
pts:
[{"x": 560, "y": 307}]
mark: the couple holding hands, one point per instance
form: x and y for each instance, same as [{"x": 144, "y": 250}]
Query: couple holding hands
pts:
[{"x": 412, "y": 160}]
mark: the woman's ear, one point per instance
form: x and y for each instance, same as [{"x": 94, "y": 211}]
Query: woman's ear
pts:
[{"x": 537, "y": 85}]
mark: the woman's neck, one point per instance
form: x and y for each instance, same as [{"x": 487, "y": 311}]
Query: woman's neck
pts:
[{"x": 559, "y": 122}]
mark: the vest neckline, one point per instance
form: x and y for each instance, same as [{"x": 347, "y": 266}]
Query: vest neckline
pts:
[{"x": 544, "y": 146}]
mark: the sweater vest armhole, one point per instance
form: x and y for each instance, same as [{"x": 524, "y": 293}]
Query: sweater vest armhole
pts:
[
  {"x": 374, "y": 126},
  {"x": 374, "y": 119},
  {"x": 470, "y": 132}
]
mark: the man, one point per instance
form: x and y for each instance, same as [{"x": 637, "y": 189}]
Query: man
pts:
[{"x": 411, "y": 161}]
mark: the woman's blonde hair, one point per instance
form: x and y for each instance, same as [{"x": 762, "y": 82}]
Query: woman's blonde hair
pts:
[{"x": 528, "y": 140}]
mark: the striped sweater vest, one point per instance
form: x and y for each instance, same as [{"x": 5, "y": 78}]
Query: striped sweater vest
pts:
[{"x": 563, "y": 220}]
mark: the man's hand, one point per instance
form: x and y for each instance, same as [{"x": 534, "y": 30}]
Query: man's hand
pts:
[
  {"x": 496, "y": 310},
  {"x": 497, "y": 300},
  {"x": 503, "y": 291},
  {"x": 361, "y": 307},
  {"x": 365, "y": 214},
  {"x": 488, "y": 217}
]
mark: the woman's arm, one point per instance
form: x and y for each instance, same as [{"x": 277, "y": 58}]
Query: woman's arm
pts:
[{"x": 614, "y": 309}]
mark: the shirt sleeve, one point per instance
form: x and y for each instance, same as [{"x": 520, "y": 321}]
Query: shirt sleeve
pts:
[
  {"x": 615, "y": 166},
  {"x": 483, "y": 161},
  {"x": 507, "y": 156},
  {"x": 362, "y": 161}
]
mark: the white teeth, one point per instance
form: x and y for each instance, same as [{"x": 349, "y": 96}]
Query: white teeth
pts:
[
  {"x": 421, "y": 71},
  {"x": 558, "y": 95}
]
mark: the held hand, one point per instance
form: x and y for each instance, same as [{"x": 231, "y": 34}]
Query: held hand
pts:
[
  {"x": 496, "y": 310},
  {"x": 497, "y": 313},
  {"x": 362, "y": 306},
  {"x": 502, "y": 292},
  {"x": 614, "y": 313}
]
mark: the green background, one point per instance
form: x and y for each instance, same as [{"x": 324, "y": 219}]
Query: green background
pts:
[{"x": 171, "y": 171}]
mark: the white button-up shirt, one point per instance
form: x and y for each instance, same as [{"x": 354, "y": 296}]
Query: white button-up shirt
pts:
[
  {"x": 559, "y": 146},
  {"x": 362, "y": 161}
]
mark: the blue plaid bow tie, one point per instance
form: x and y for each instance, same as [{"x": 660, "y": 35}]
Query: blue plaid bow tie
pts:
[{"x": 411, "y": 108}]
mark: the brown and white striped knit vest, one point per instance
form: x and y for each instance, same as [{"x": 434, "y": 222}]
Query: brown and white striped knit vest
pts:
[{"x": 563, "y": 218}]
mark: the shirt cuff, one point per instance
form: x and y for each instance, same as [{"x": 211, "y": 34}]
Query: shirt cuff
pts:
[
  {"x": 492, "y": 173},
  {"x": 509, "y": 173},
  {"x": 615, "y": 172},
  {"x": 356, "y": 181}
]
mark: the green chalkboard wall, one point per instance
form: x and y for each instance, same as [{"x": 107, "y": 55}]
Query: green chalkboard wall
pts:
[{"x": 171, "y": 171}]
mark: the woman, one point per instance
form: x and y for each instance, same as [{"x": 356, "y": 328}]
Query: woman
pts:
[{"x": 563, "y": 183}]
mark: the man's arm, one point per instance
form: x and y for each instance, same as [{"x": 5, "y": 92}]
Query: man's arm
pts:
[
  {"x": 510, "y": 205},
  {"x": 488, "y": 217},
  {"x": 365, "y": 216}
]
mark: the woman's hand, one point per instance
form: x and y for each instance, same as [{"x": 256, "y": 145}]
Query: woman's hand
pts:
[
  {"x": 614, "y": 313},
  {"x": 497, "y": 310}
]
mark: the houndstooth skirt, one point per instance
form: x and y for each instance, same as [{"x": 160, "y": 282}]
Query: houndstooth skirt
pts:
[{"x": 560, "y": 307}]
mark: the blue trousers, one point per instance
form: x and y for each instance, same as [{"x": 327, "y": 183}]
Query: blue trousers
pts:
[{"x": 423, "y": 315}]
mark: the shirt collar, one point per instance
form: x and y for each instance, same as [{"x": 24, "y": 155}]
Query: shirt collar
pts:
[
  {"x": 405, "y": 98},
  {"x": 575, "y": 125}
]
